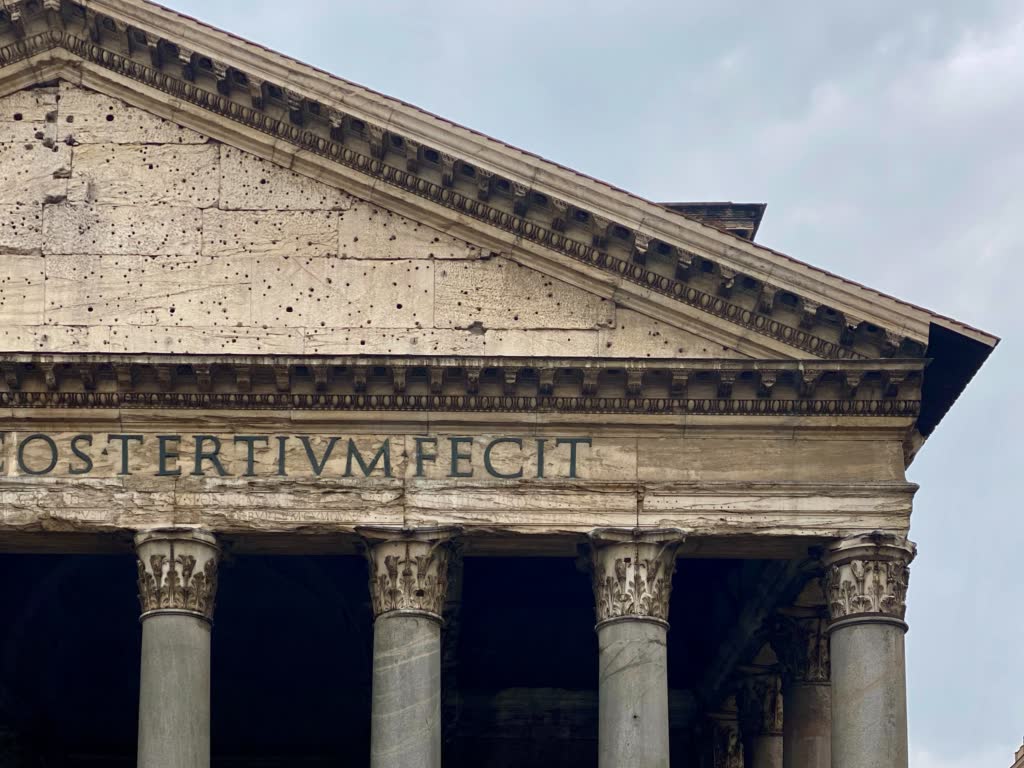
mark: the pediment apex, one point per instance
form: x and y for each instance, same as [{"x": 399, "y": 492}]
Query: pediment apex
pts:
[{"x": 554, "y": 219}]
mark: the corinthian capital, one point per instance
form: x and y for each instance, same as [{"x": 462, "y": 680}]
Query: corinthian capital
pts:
[
  {"x": 801, "y": 644},
  {"x": 409, "y": 569},
  {"x": 177, "y": 572},
  {"x": 632, "y": 572},
  {"x": 760, "y": 704},
  {"x": 866, "y": 577}
]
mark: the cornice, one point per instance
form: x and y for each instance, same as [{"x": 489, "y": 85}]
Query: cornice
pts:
[
  {"x": 645, "y": 387},
  {"x": 317, "y": 122}
]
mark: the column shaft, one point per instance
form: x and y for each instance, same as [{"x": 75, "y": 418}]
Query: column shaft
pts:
[
  {"x": 869, "y": 700},
  {"x": 807, "y": 727},
  {"x": 174, "y": 696},
  {"x": 405, "y": 729},
  {"x": 633, "y": 695}
]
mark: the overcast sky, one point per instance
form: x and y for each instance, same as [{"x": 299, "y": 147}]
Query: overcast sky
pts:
[{"x": 887, "y": 139}]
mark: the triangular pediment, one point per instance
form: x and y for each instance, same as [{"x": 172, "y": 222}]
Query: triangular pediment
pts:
[{"x": 718, "y": 293}]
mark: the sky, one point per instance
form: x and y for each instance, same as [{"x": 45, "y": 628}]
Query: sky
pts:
[{"x": 888, "y": 141}]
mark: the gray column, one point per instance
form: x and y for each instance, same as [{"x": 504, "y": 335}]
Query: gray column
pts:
[
  {"x": 177, "y": 588},
  {"x": 761, "y": 718},
  {"x": 408, "y": 586},
  {"x": 801, "y": 643},
  {"x": 632, "y": 572},
  {"x": 866, "y": 587},
  {"x": 726, "y": 746}
]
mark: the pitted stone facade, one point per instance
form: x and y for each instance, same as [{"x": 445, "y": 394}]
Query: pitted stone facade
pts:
[{"x": 630, "y": 488}]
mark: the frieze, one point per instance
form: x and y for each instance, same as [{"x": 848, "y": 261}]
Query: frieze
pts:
[
  {"x": 632, "y": 573},
  {"x": 867, "y": 577},
  {"x": 436, "y": 176},
  {"x": 177, "y": 572}
]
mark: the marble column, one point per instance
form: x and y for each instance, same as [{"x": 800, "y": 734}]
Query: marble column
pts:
[
  {"x": 632, "y": 574},
  {"x": 726, "y": 740},
  {"x": 408, "y": 588},
  {"x": 177, "y": 588},
  {"x": 801, "y": 643},
  {"x": 761, "y": 718},
  {"x": 866, "y": 583}
]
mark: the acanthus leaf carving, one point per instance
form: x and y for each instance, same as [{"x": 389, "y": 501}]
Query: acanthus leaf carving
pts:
[
  {"x": 760, "y": 704},
  {"x": 409, "y": 569},
  {"x": 177, "y": 572},
  {"x": 632, "y": 573},
  {"x": 802, "y": 646},
  {"x": 868, "y": 575}
]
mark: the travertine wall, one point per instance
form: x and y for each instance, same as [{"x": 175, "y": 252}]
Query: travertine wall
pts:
[{"x": 123, "y": 232}]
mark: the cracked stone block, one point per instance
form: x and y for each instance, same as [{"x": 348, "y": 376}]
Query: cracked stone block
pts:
[
  {"x": 331, "y": 292},
  {"x": 109, "y": 229},
  {"x": 448, "y": 341},
  {"x": 132, "y": 174},
  {"x": 21, "y": 228},
  {"x": 209, "y": 340},
  {"x": 498, "y": 293},
  {"x": 147, "y": 290},
  {"x": 33, "y": 173},
  {"x": 88, "y": 117},
  {"x": 370, "y": 232},
  {"x": 251, "y": 183},
  {"x": 297, "y": 234},
  {"x": 22, "y": 281}
]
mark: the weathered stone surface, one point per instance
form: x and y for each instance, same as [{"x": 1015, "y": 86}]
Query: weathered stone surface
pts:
[
  {"x": 108, "y": 229},
  {"x": 88, "y": 117},
  {"x": 287, "y": 234},
  {"x": 370, "y": 232},
  {"x": 355, "y": 293},
  {"x": 249, "y": 183},
  {"x": 781, "y": 460},
  {"x": 636, "y": 335},
  {"x": 498, "y": 293},
  {"x": 21, "y": 228},
  {"x": 146, "y": 174},
  {"x": 199, "y": 339},
  {"x": 405, "y": 725},
  {"x": 144, "y": 290},
  {"x": 24, "y": 114},
  {"x": 31, "y": 173},
  {"x": 633, "y": 695},
  {"x": 21, "y": 290}
]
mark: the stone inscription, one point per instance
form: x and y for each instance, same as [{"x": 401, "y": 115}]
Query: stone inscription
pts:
[{"x": 111, "y": 454}]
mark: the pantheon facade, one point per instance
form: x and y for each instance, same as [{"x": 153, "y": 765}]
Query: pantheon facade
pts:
[{"x": 337, "y": 434}]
